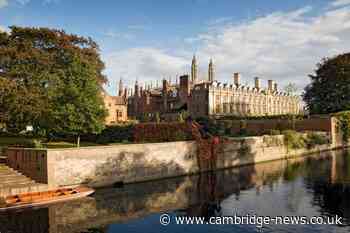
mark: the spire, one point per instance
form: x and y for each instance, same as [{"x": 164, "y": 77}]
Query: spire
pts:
[
  {"x": 137, "y": 90},
  {"x": 194, "y": 69},
  {"x": 211, "y": 71},
  {"x": 121, "y": 88}
]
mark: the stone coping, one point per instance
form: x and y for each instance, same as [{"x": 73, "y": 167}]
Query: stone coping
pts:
[{"x": 96, "y": 147}]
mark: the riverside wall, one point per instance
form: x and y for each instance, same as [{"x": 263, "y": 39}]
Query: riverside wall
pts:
[{"x": 114, "y": 165}]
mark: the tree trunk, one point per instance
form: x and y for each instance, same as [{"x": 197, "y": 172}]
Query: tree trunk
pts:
[{"x": 78, "y": 141}]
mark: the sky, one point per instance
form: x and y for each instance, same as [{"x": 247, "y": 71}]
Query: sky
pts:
[{"x": 150, "y": 40}]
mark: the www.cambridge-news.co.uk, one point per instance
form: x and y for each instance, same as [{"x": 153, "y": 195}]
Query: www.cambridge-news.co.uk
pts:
[{"x": 258, "y": 221}]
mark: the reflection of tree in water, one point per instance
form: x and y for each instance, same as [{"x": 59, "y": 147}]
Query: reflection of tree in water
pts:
[
  {"x": 25, "y": 222},
  {"x": 96, "y": 230},
  {"x": 331, "y": 192},
  {"x": 208, "y": 202},
  {"x": 333, "y": 199},
  {"x": 213, "y": 187}
]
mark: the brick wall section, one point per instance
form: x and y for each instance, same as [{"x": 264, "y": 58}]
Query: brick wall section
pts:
[{"x": 161, "y": 132}]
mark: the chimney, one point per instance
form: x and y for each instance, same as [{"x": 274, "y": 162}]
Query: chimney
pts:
[
  {"x": 165, "y": 85},
  {"x": 236, "y": 78},
  {"x": 270, "y": 85},
  {"x": 257, "y": 82},
  {"x": 184, "y": 90},
  {"x": 275, "y": 87}
]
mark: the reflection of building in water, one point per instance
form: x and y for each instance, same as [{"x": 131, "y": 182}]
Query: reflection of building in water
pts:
[{"x": 194, "y": 195}]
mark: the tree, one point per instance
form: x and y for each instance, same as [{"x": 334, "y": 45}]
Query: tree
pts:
[
  {"x": 157, "y": 117},
  {"x": 52, "y": 81},
  {"x": 291, "y": 88},
  {"x": 329, "y": 89}
]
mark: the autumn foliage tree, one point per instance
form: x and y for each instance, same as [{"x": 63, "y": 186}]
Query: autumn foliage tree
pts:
[
  {"x": 50, "y": 80},
  {"x": 329, "y": 90}
]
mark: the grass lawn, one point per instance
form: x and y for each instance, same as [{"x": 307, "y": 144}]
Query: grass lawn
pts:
[
  {"x": 6, "y": 141},
  {"x": 53, "y": 145}
]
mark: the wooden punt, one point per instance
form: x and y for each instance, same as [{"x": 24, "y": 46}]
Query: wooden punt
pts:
[{"x": 34, "y": 199}]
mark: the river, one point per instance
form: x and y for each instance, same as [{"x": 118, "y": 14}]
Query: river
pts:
[{"x": 313, "y": 186}]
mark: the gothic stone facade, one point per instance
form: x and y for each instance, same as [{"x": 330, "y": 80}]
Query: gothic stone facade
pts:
[
  {"x": 209, "y": 98},
  {"x": 116, "y": 107}
]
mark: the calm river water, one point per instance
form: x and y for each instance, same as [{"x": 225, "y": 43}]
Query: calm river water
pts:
[{"x": 311, "y": 186}]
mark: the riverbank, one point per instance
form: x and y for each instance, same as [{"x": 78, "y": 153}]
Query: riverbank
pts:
[{"x": 120, "y": 164}]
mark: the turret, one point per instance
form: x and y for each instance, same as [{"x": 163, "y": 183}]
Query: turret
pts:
[
  {"x": 270, "y": 84},
  {"x": 257, "y": 83},
  {"x": 121, "y": 88},
  {"x": 137, "y": 90},
  {"x": 194, "y": 70},
  {"x": 211, "y": 71},
  {"x": 236, "y": 79}
]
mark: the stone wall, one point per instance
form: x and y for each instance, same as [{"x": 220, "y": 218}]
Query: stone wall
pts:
[{"x": 105, "y": 166}]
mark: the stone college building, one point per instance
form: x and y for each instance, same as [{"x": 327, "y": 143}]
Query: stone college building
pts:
[{"x": 208, "y": 98}]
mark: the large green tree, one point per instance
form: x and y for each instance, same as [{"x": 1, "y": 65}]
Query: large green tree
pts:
[
  {"x": 50, "y": 80},
  {"x": 329, "y": 90}
]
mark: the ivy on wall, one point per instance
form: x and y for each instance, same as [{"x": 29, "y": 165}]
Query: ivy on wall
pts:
[{"x": 344, "y": 124}]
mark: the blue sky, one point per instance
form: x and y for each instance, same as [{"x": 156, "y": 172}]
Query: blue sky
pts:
[{"x": 152, "y": 39}]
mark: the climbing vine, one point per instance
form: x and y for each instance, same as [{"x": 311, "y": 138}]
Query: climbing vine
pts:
[{"x": 344, "y": 124}]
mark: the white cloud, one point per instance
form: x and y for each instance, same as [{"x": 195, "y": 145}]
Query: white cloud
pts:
[
  {"x": 47, "y": 2},
  {"x": 23, "y": 2},
  {"x": 118, "y": 35},
  {"x": 3, "y": 3},
  {"x": 137, "y": 27},
  {"x": 146, "y": 64},
  {"x": 284, "y": 46},
  {"x": 4, "y": 29},
  {"x": 219, "y": 20},
  {"x": 337, "y": 3}
]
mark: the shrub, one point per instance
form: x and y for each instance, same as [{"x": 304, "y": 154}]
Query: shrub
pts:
[
  {"x": 275, "y": 132},
  {"x": 111, "y": 134},
  {"x": 293, "y": 140},
  {"x": 266, "y": 117},
  {"x": 243, "y": 128},
  {"x": 209, "y": 125},
  {"x": 157, "y": 117},
  {"x": 27, "y": 143},
  {"x": 313, "y": 139}
]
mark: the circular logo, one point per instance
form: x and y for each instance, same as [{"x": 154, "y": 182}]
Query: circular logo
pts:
[{"x": 164, "y": 219}]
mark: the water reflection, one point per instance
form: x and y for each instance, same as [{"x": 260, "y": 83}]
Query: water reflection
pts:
[{"x": 311, "y": 186}]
